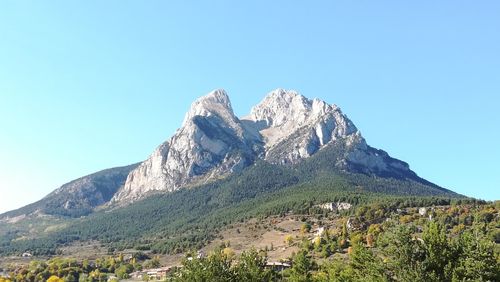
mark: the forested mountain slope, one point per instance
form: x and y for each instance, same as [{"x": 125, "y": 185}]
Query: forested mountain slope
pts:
[{"x": 189, "y": 218}]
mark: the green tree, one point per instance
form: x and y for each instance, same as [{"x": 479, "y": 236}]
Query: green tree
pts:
[
  {"x": 335, "y": 271},
  {"x": 439, "y": 255},
  {"x": 251, "y": 267},
  {"x": 152, "y": 263},
  {"x": 406, "y": 254},
  {"x": 123, "y": 271},
  {"x": 366, "y": 266},
  {"x": 217, "y": 267},
  {"x": 477, "y": 260},
  {"x": 301, "y": 267}
]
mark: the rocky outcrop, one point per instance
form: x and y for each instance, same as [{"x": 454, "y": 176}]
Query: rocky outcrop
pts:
[
  {"x": 78, "y": 197},
  {"x": 294, "y": 127},
  {"x": 283, "y": 129},
  {"x": 211, "y": 143}
]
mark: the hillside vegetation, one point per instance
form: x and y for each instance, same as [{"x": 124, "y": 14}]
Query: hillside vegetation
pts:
[
  {"x": 190, "y": 218},
  {"x": 459, "y": 242}
]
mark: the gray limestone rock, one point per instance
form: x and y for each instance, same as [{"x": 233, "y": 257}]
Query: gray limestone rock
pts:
[
  {"x": 284, "y": 129},
  {"x": 212, "y": 142}
]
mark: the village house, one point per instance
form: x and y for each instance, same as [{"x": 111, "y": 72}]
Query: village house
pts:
[
  {"x": 278, "y": 266},
  {"x": 153, "y": 273},
  {"x": 422, "y": 211}
]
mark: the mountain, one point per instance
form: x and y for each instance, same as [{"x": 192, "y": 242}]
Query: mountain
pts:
[
  {"x": 288, "y": 155},
  {"x": 78, "y": 197},
  {"x": 284, "y": 129},
  {"x": 295, "y": 128},
  {"x": 188, "y": 219}
]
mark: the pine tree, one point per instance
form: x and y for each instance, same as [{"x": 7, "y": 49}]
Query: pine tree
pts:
[{"x": 301, "y": 269}]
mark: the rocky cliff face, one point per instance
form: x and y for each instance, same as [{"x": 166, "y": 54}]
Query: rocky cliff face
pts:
[
  {"x": 78, "y": 197},
  {"x": 284, "y": 129},
  {"x": 211, "y": 142},
  {"x": 294, "y": 127}
]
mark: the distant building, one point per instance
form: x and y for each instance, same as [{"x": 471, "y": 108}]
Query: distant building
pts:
[
  {"x": 278, "y": 266},
  {"x": 153, "y": 273},
  {"x": 422, "y": 211}
]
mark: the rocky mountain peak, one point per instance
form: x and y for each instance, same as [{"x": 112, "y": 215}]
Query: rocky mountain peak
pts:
[
  {"x": 214, "y": 103},
  {"x": 283, "y": 112},
  {"x": 282, "y": 106},
  {"x": 284, "y": 128},
  {"x": 211, "y": 142},
  {"x": 279, "y": 106},
  {"x": 282, "y": 95}
]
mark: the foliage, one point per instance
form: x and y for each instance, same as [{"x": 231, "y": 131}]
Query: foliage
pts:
[
  {"x": 216, "y": 267},
  {"x": 54, "y": 278},
  {"x": 289, "y": 240},
  {"x": 66, "y": 269},
  {"x": 251, "y": 267},
  {"x": 305, "y": 228},
  {"x": 419, "y": 250},
  {"x": 302, "y": 268}
]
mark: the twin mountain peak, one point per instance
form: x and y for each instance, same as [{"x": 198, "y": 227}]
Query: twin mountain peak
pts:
[{"x": 283, "y": 129}]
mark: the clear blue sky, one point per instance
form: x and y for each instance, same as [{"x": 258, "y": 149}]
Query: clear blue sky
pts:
[{"x": 87, "y": 85}]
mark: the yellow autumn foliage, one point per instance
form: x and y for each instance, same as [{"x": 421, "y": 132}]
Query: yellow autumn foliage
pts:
[
  {"x": 54, "y": 278},
  {"x": 228, "y": 252}
]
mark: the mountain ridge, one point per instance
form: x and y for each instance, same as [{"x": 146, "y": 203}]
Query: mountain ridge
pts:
[
  {"x": 218, "y": 169},
  {"x": 80, "y": 196},
  {"x": 285, "y": 128}
]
